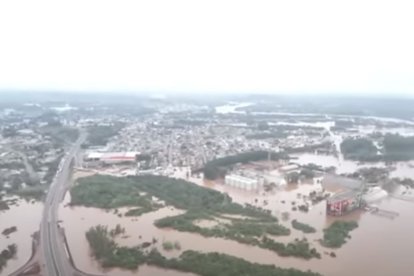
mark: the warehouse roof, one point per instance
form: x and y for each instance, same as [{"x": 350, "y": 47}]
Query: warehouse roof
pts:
[
  {"x": 333, "y": 182},
  {"x": 129, "y": 155}
]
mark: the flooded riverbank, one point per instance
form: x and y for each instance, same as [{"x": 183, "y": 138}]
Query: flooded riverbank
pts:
[
  {"x": 26, "y": 216},
  {"x": 78, "y": 220},
  {"x": 376, "y": 238},
  {"x": 398, "y": 169}
]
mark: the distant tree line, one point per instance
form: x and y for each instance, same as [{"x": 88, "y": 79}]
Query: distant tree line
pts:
[
  {"x": 267, "y": 135},
  {"x": 398, "y": 148},
  {"x": 216, "y": 168},
  {"x": 109, "y": 254},
  {"x": 7, "y": 254},
  {"x": 361, "y": 149},
  {"x": 395, "y": 148},
  {"x": 99, "y": 135},
  {"x": 308, "y": 148}
]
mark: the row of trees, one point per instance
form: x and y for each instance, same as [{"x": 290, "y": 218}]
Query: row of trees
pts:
[
  {"x": 107, "y": 192},
  {"x": 298, "y": 248},
  {"x": 267, "y": 135},
  {"x": 212, "y": 264},
  {"x": 337, "y": 233},
  {"x": 251, "y": 233},
  {"x": 215, "y": 168},
  {"x": 109, "y": 254},
  {"x": 398, "y": 148},
  {"x": 305, "y": 228},
  {"x": 7, "y": 254},
  {"x": 200, "y": 203},
  {"x": 243, "y": 230},
  {"x": 113, "y": 192},
  {"x": 394, "y": 148},
  {"x": 361, "y": 149},
  {"x": 99, "y": 135}
]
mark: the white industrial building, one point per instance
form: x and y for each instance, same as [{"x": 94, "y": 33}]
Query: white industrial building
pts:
[
  {"x": 112, "y": 157},
  {"x": 242, "y": 182},
  {"x": 274, "y": 177},
  {"x": 289, "y": 168},
  {"x": 374, "y": 194}
]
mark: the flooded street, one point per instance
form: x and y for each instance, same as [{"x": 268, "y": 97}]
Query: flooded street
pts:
[{"x": 26, "y": 217}]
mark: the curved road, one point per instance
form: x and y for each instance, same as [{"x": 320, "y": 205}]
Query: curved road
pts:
[{"x": 55, "y": 256}]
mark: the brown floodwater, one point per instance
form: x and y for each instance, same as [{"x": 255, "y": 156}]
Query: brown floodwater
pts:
[
  {"x": 78, "y": 220},
  {"x": 378, "y": 239},
  {"x": 26, "y": 216},
  {"x": 342, "y": 166},
  {"x": 399, "y": 169}
]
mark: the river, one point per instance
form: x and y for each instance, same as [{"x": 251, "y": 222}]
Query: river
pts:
[{"x": 232, "y": 108}]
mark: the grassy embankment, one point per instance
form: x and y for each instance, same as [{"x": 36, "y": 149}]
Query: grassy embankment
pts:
[
  {"x": 199, "y": 203},
  {"x": 205, "y": 264}
]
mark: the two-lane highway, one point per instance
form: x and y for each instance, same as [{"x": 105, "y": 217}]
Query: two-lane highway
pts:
[{"x": 56, "y": 260}]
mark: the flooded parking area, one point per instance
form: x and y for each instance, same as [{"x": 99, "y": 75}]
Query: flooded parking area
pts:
[{"x": 31, "y": 212}]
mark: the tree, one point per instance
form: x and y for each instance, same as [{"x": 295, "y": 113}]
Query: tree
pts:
[
  {"x": 12, "y": 249},
  {"x": 361, "y": 149},
  {"x": 9, "y": 132},
  {"x": 263, "y": 126},
  {"x": 307, "y": 173},
  {"x": 292, "y": 177}
]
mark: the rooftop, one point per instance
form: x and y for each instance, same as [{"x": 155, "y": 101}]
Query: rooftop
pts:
[
  {"x": 113, "y": 155},
  {"x": 337, "y": 183},
  {"x": 343, "y": 196}
]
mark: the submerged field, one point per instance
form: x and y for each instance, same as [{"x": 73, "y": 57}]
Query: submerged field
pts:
[
  {"x": 142, "y": 229},
  {"x": 244, "y": 224}
]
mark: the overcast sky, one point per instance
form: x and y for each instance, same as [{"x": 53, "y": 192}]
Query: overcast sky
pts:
[{"x": 215, "y": 46}]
